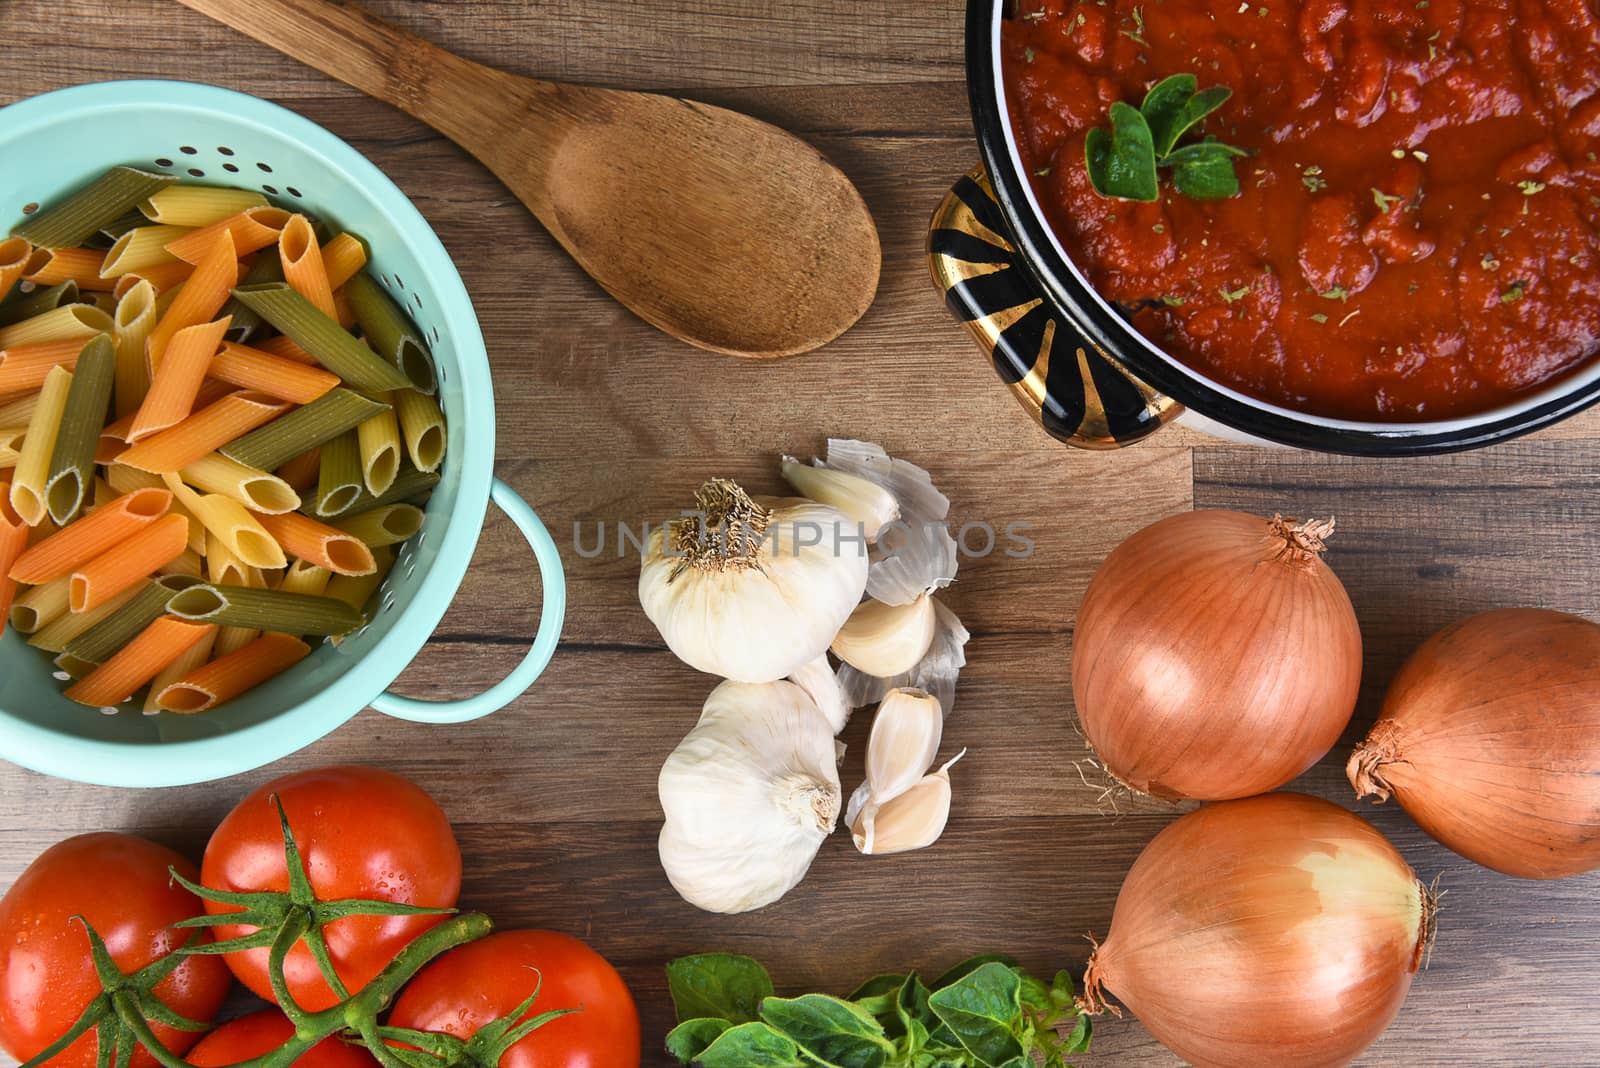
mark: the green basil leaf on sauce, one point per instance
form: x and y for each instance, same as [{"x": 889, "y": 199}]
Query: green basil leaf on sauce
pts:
[
  {"x": 1174, "y": 107},
  {"x": 1122, "y": 160},
  {"x": 1205, "y": 171}
]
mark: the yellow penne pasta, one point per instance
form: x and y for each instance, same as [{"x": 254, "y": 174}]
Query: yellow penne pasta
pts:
[
  {"x": 223, "y": 567},
  {"x": 343, "y": 257},
  {"x": 230, "y": 523},
  {"x": 56, "y": 636},
  {"x": 11, "y": 439},
  {"x": 40, "y": 606},
  {"x": 177, "y": 379},
  {"x": 17, "y": 412},
  {"x": 302, "y": 262},
  {"x": 250, "y": 230},
  {"x": 305, "y": 577},
  {"x": 357, "y": 590},
  {"x": 190, "y": 563},
  {"x": 201, "y": 297},
  {"x": 33, "y": 460},
  {"x": 199, "y": 205},
  {"x": 141, "y": 660},
  {"x": 81, "y": 265},
  {"x": 58, "y": 324},
  {"x": 135, "y": 317},
  {"x": 256, "y": 490},
  {"x": 188, "y": 660},
  {"x": 14, "y": 534},
  {"x": 390, "y": 524},
  {"x": 422, "y": 426},
  {"x": 229, "y": 676},
  {"x": 379, "y": 441},
  {"x": 139, "y": 249},
  {"x": 232, "y": 639},
  {"x": 15, "y": 254}
]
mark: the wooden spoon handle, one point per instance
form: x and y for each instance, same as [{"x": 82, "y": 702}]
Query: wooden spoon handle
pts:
[{"x": 348, "y": 43}]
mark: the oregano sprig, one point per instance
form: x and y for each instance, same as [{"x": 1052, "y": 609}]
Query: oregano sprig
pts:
[
  {"x": 1125, "y": 161},
  {"x": 984, "y": 1013}
]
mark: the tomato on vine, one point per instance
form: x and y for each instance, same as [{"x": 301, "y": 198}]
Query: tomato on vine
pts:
[
  {"x": 262, "y": 1032},
  {"x": 87, "y": 940}
]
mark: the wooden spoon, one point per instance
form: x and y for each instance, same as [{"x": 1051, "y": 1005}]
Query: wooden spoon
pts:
[{"x": 718, "y": 228}]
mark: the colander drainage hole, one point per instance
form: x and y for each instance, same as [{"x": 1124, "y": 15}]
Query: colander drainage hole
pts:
[
  {"x": 196, "y": 172},
  {"x": 224, "y": 150},
  {"x": 189, "y": 150},
  {"x": 292, "y": 191},
  {"x": 230, "y": 168},
  {"x": 163, "y": 162},
  {"x": 270, "y": 189},
  {"x": 264, "y": 168}
]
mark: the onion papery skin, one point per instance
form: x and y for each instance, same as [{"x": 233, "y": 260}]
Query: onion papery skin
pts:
[
  {"x": 1213, "y": 659},
  {"x": 1279, "y": 931},
  {"x": 1490, "y": 739}
]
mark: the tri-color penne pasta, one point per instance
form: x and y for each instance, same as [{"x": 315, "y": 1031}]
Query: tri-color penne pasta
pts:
[{"x": 214, "y": 436}]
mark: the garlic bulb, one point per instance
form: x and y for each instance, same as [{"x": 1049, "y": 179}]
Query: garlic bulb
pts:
[
  {"x": 885, "y": 640},
  {"x": 864, "y": 501},
  {"x": 752, "y": 590},
  {"x": 749, "y": 796}
]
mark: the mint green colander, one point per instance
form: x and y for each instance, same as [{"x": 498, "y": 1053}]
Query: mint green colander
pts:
[{"x": 60, "y": 140}]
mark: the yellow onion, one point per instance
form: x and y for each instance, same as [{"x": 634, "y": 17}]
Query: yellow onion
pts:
[
  {"x": 1215, "y": 656},
  {"x": 1490, "y": 739},
  {"x": 1275, "y": 932}
]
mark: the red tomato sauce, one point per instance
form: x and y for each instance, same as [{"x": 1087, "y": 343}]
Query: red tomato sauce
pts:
[{"x": 1415, "y": 237}]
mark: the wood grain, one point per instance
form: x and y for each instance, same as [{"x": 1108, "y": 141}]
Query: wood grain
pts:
[{"x": 603, "y": 420}]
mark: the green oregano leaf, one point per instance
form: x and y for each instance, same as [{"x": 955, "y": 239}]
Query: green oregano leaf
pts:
[
  {"x": 983, "y": 1011},
  {"x": 834, "y": 1032},
  {"x": 970, "y": 965},
  {"x": 1122, "y": 161},
  {"x": 752, "y": 1045},
  {"x": 692, "y": 1037},
  {"x": 719, "y": 986},
  {"x": 1173, "y": 107}
]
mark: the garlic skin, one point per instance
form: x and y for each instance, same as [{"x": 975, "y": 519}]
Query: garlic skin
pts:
[
  {"x": 756, "y": 590},
  {"x": 885, "y": 640},
  {"x": 904, "y": 742},
  {"x": 822, "y": 686},
  {"x": 749, "y": 795},
  {"x": 864, "y": 501}
]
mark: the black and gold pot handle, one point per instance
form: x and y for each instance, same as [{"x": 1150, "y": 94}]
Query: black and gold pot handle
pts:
[{"x": 1070, "y": 385}]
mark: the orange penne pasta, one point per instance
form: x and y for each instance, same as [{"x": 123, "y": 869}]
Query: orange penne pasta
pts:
[
  {"x": 24, "y": 368},
  {"x": 81, "y": 265},
  {"x": 201, "y": 297},
  {"x": 282, "y": 346},
  {"x": 227, "y": 677},
  {"x": 15, "y": 254},
  {"x": 343, "y": 257},
  {"x": 161, "y": 277},
  {"x": 177, "y": 379},
  {"x": 251, "y": 229},
  {"x": 206, "y": 431},
  {"x": 302, "y": 471},
  {"x": 78, "y": 543},
  {"x": 303, "y": 268},
  {"x": 249, "y": 368},
  {"x": 138, "y": 662},
  {"x": 325, "y": 546},
  {"x": 123, "y": 567},
  {"x": 13, "y": 543}
]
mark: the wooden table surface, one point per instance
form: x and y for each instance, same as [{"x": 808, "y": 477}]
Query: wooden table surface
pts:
[{"x": 602, "y": 419}]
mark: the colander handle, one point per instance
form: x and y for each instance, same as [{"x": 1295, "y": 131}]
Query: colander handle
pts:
[{"x": 553, "y": 579}]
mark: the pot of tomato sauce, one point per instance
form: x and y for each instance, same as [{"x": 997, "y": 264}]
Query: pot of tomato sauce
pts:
[{"x": 1410, "y": 262}]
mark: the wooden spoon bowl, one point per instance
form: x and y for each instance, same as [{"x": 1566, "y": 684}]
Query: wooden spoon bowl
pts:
[{"x": 720, "y": 229}]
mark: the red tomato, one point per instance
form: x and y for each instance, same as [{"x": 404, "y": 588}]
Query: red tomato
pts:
[
  {"x": 484, "y": 981},
  {"x": 363, "y": 833},
  {"x": 120, "y": 884},
  {"x": 264, "y": 1031}
]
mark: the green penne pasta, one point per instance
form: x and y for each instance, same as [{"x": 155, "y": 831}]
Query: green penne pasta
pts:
[
  {"x": 244, "y": 322},
  {"x": 389, "y": 524},
  {"x": 319, "y": 422},
  {"x": 322, "y": 337},
  {"x": 103, "y": 201},
  {"x": 71, "y": 472},
  {"x": 339, "y": 483},
  {"x": 409, "y": 485},
  {"x": 97, "y": 645},
  {"x": 20, "y": 306},
  {"x": 268, "y": 610},
  {"x": 390, "y": 331}
]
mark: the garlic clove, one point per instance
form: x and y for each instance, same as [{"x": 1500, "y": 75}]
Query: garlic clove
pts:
[
  {"x": 863, "y": 501},
  {"x": 858, "y": 801},
  {"x": 885, "y": 640},
  {"x": 905, "y": 738},
  {"x": 913, "y": 820},
  {"x": 817, "y": 679}
]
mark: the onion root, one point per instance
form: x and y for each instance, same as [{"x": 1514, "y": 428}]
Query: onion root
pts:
[
  {"x": 1093, "y": 1001},
  {"x": 1365, "y": 769}
]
